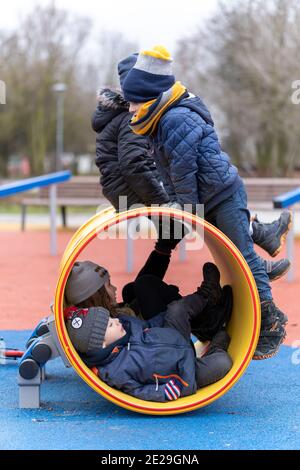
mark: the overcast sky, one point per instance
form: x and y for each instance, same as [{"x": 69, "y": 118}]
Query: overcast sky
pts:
[{"x": 148, "y": 22}]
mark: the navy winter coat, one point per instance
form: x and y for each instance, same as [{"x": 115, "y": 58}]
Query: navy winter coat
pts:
[
  {"x": 123, "y": 158},
  {"x": 151, "y": 356},
  {"x": 189, "y": 157}
]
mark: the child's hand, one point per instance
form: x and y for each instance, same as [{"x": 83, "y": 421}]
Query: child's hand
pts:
[
  {"x": 173, "y": 389},
  {"x": 172, "y": 205}
]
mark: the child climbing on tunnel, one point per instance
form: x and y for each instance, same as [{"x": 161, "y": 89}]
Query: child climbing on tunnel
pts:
[
  {"x": 155, "y": 359},
  {"x": 195, "y": 170}
]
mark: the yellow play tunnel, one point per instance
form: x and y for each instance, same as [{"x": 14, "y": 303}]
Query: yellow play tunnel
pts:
[{"x": 243, "y": 328}]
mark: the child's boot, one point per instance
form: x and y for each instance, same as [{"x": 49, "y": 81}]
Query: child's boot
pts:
[
  {"x": 271, "y": 236},
  {"x": 210, "y": 287},
  {"x": 276, "y": 269},
  {"x": 272, "y": 332},
  {"x": 221, "y": 340},
  {"x": 214, "y": 318},
  {"x": 170, "y": 233}
]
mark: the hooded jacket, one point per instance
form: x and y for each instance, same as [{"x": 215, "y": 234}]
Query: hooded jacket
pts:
[
  {"x": 188, "y": 155},
  {"x": 146, "y": 359},
  {"x": 123, "y": 158}
]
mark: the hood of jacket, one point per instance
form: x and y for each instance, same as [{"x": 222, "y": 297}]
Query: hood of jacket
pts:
[
  {"x": 110, "y": 104},
  {"x": 103, "y": 356},
  {"x": 196, "y": 104}
]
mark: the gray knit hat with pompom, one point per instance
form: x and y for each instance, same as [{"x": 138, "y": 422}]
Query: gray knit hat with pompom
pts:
[{"x": 87, "y": 327}]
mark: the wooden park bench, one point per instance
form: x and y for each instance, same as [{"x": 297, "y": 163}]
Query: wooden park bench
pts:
[
  {"x": 79, "y": 191},
  {"x": 261, "y": 191},
  {"x": 86, "y": 191}
]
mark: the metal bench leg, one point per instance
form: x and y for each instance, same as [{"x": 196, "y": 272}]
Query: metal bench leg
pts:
[
  {"x": 23, "y": 217},
  {"x": 64, "y": 215},
  {"x": 182, "y": 251}
]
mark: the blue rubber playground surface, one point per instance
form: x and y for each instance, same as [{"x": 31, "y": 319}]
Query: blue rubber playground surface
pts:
[{"x": 262, "y": 411}]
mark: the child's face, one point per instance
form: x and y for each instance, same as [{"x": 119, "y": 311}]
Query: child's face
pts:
[
  {"x": 112, "y": 291},
  {"x": 134, "y": 107},
  {"x": 114, "y": 331}
]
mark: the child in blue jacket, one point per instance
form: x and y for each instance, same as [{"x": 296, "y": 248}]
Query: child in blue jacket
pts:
[
  {"x": 195, "y": 170},
  {"x": 153, "y": 360}
]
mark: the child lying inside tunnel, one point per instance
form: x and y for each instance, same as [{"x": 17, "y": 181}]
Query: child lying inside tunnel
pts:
[
  {"x": 89, "y": 285},
  {"x": 151, "y": 359}
]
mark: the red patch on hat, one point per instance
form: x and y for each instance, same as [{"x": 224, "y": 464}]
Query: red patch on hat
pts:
[{"x": 70, "y": 311}]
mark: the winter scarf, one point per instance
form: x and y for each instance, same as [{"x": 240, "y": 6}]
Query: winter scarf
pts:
[{"x": 145, "y": 121}]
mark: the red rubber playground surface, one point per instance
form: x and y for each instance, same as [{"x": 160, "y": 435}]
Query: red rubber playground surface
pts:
[{"x": 29, "y": 274}]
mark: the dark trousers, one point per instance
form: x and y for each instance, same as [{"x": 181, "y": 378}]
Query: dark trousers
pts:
[
  {"x": 232, "y": 217},
  {"x": 216, "y": 363},
  {"x": 152, "y": 296},
  {"x": 148, "y": 293}
]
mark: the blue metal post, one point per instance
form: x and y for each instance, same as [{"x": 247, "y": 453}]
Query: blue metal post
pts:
[
  {"x": 182, "y": 251},
  {"x": 53, "y": 235},
  {"x": 130, "y": 246},
  {"x": 290, "y": 249}
]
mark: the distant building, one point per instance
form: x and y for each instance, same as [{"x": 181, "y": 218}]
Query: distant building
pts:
[
  {"x": 86, "y": 165},
  {"x": 18, "y": 166}
]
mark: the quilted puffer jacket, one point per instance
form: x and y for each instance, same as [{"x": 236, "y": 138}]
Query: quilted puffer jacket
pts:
[
  {"x": 123, "y": 158},
  {"x": 148, "y": 358},
  {"x": 188, "y": 155}
]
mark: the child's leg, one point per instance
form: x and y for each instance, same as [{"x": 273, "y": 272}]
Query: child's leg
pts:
[
  {"x": 212, "y": 367},
  {"x": 232, "y": 218},
  {"x": 153, "y": 295},
  {"x": 180, "y": 313},
  {"x": 156, "y": 264},
  {"x": 216, "y": 363}
]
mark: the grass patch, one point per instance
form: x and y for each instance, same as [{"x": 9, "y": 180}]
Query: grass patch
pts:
[{"x": 14, "y": 208}]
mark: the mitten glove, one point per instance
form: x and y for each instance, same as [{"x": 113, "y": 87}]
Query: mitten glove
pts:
[
  {"x": 173, "y": 389},
  {"x": 172, "y": 205}
]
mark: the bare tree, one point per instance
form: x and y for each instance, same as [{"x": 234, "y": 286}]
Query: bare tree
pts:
[
  {"x": 49, "y": 46},
  {"x": 244, "y": 62},
  {"x": 44, "y": 49},
  {"x": 110, "y": 48}
]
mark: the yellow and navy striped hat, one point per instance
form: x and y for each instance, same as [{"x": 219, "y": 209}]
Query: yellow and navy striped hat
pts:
[{"x": 151, "y": 75}]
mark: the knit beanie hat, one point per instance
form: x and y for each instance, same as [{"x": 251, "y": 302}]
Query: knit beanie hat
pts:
[
  {"x": 150, "y": 76},
  {"x": 86, "y": 328},
  {"x": 85, "y": 279},
  {"x": 125, "y": 65}
]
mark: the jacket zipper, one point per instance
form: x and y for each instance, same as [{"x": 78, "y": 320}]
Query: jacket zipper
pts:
[{"x": 157, "y": 376}]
